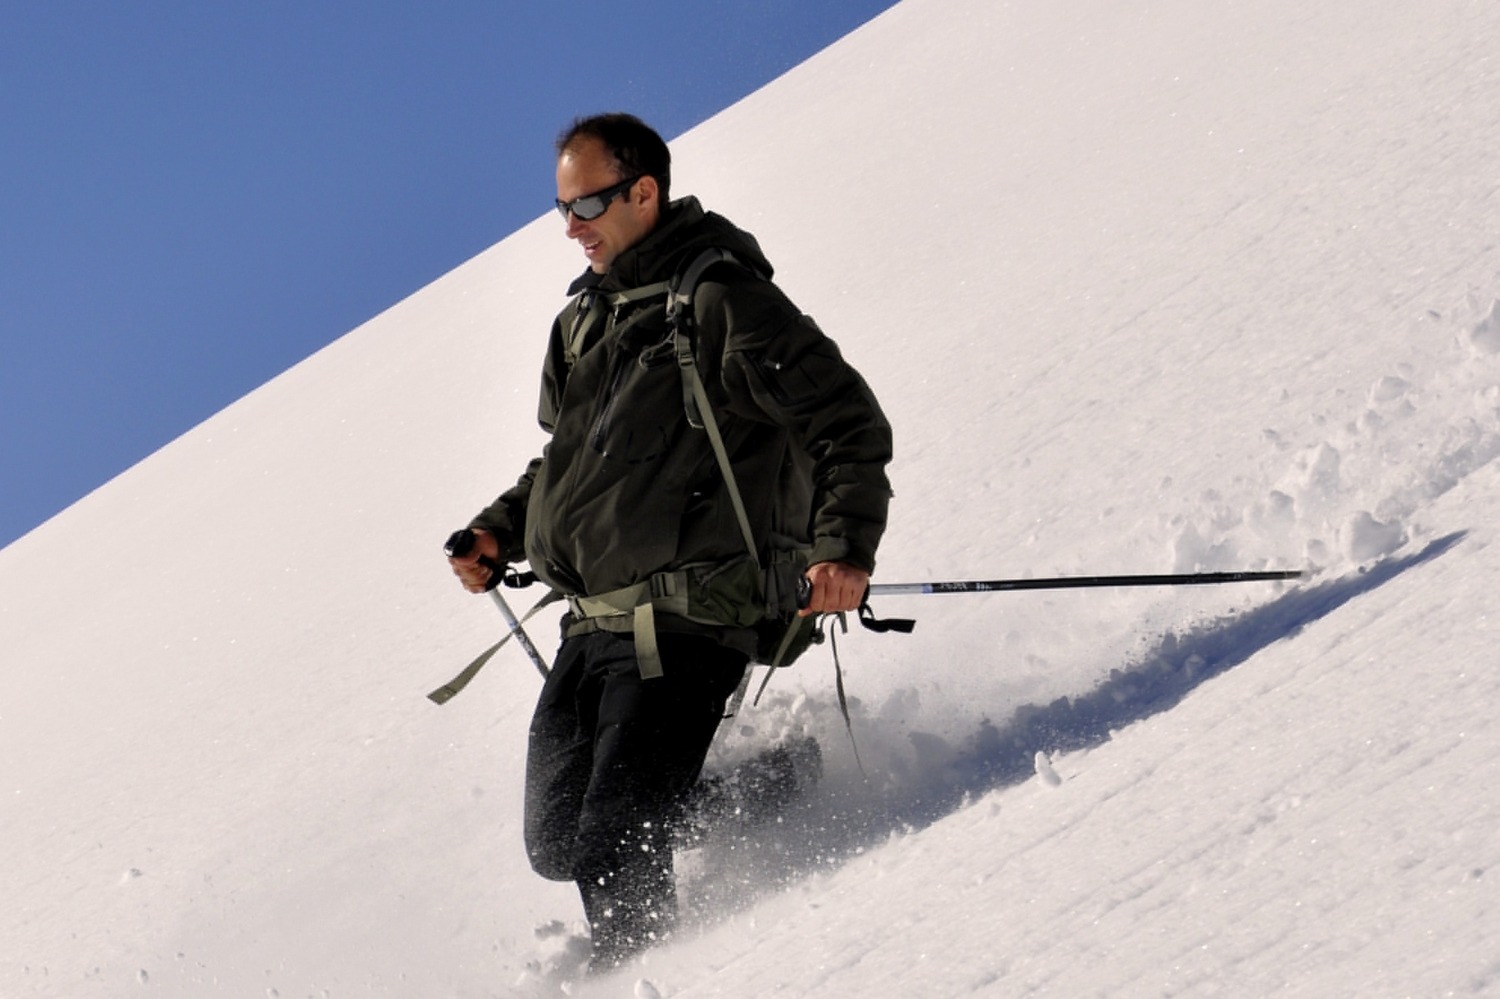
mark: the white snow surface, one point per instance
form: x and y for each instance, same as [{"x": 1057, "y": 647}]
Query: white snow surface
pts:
[{"x": 1193, "y": 285}]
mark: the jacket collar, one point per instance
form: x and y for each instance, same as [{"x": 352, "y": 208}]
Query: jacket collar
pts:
[
  {"x": 647, "y": 260},
  {"x": 685, "y": 230}
]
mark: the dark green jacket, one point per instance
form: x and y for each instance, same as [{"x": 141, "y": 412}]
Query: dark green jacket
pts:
[{"x": 626, "y": 488}]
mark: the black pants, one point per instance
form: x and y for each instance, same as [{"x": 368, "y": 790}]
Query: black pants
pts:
[{"x": 610, "y": 760}]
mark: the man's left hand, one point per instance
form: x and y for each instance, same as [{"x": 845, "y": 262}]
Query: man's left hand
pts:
[{"x": 836, "y": 586}]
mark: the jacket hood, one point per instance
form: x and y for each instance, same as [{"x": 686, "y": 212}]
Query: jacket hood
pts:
[{"x": 685, "y": 231}]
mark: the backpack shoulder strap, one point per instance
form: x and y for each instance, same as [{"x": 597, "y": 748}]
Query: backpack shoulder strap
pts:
[
  {"x": 680, "y": 294},
  {"x": 700, "y": 414},
  {"x": 680, "y": 317},
  {"x": 590, "y": 306}
]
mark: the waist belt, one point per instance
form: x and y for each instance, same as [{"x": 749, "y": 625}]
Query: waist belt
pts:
[{"x": 633, "y": 609}]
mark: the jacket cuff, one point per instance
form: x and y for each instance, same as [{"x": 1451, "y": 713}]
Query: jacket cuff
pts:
[
  {"x": 828, "y": 549},
  {"x": 511, "y": 550}
]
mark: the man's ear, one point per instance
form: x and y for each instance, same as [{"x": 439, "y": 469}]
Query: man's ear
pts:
[{"x": 645, "y": 191}]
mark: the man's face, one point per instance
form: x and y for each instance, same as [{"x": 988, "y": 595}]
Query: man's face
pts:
[{"x": 586, "y": 167}]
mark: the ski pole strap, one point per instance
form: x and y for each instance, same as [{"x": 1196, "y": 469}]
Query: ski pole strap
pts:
[
  {"x": 881, "y": 626},
  {"x": 518, "y": 580}
]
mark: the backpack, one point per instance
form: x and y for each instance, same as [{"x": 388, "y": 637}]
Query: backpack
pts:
[{"x": 762, "y": 594}]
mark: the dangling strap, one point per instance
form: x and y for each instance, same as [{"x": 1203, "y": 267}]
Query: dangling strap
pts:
[
  {"x": 786, "y": 643},
  {"x": 787, "y": 639},
  {"x": 453, "y": 687},
  {"x": 733, "y": 707},
  {"x": 838, "y": 681},
  {"x": 883, "y": 625}
]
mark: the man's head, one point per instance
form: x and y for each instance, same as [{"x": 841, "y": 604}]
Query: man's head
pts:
[{"x": 626, "y": 164}]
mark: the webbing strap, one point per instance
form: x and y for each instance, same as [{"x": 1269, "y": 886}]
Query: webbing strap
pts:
[
  {"x": 838, "y": 676},
  {"x": 786, "y": 642},
  {"x": 583, "y": 321},
  {"x": 680, "y": 316},
  {"x": 620, "y": 298},
  {"x": 647, "y": 652},
  {"x": 732, "y": 708},
  {"x": 453, "y": 687},
  {"x": 838, "y": 682},
  {"x": 638, "y": 605},
  {"x": 612, "y": 604},
  {"x": 721, "y": 453},
  {"x": 700, "y": 414}
]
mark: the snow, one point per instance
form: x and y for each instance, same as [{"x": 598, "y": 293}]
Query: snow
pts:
[{"x": 1186, "y": 287}]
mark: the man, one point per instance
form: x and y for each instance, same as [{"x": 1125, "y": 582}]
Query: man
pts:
[{"x": 629, "y": 492}]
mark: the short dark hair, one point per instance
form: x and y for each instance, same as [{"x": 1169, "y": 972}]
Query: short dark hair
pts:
[{"x": 636, "y": 148}]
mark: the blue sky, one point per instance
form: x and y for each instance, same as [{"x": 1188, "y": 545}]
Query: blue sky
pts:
[{"x": 194, "y": 196}]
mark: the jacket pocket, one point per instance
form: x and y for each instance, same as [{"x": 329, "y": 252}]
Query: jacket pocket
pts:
[{"x": 640, "y": 410}]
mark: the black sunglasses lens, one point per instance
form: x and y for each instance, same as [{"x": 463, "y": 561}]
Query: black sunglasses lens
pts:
[
  {"x": 585, "y": 209},
  {"x": 589, "y": 207}
]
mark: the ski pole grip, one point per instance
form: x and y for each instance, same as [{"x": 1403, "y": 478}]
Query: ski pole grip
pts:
[
  {"x": 804, "y": 593},
  {"x": 460, "y": 543}
]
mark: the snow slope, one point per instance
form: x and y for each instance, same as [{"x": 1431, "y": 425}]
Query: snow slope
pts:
[{"x": 1199, "y": 286}]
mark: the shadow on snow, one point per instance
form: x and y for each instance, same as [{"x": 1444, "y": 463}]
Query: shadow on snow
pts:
[
  {"x": 1157, "y": 682},
  {"x": 834, "y": 824}
]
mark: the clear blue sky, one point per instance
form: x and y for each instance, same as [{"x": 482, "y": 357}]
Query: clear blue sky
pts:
[{"x": 197, "y": 194}]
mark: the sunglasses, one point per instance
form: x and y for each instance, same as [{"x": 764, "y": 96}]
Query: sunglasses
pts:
[{"x": 591, "y": 206}]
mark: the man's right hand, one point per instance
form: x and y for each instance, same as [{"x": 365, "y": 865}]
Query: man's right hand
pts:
[{"x": 474, "y": 576}]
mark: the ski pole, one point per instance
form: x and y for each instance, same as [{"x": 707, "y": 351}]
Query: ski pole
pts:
[
  {"x": 804, "y": 588},
  {"x": 461, "y": 543},
  {"x": 1078, "y": 582},
  {"x": 870, "y": 621},
  {"x": 515, "y": 629}
]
